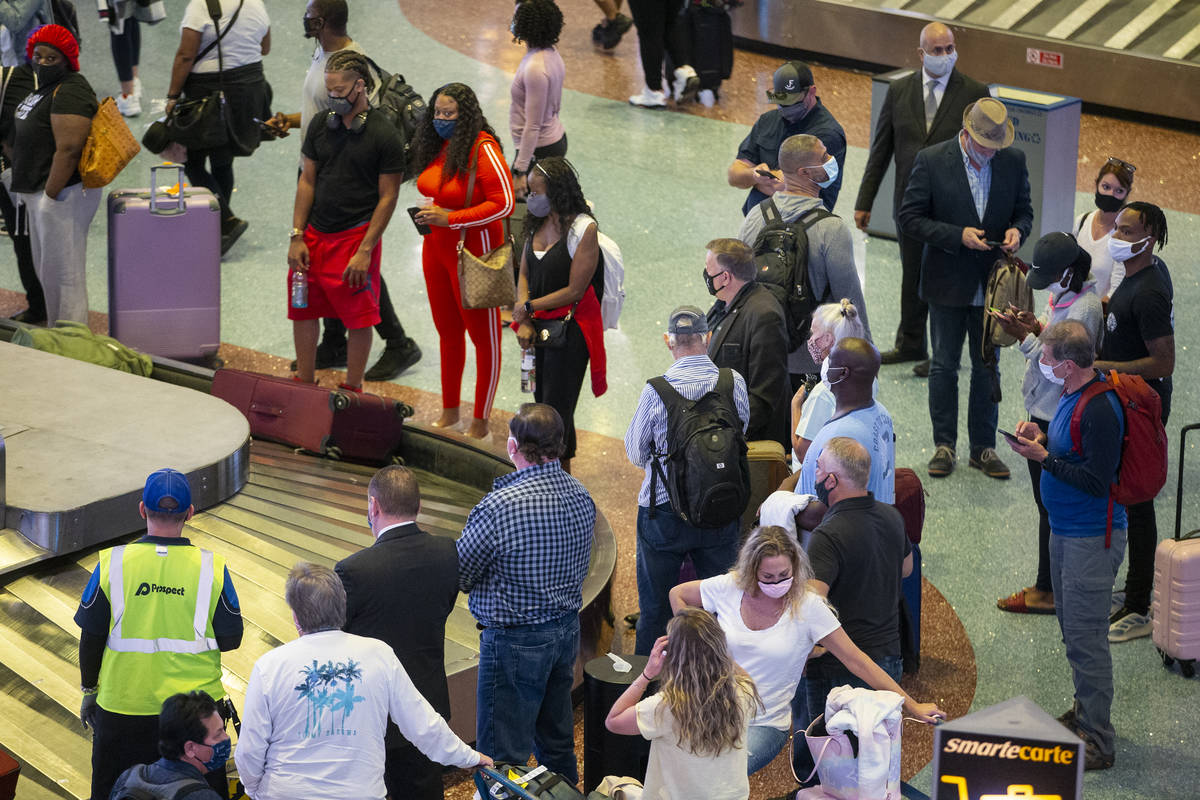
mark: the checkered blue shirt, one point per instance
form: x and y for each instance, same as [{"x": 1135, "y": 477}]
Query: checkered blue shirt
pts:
[
  {"x": 980, "y": 180},
  {"x": 524, "y": 552}
]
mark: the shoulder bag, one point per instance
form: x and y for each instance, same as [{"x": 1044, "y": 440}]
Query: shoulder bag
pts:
[
  {"x": 201, "y": 123},
  {"x": 485, "y": 281}
]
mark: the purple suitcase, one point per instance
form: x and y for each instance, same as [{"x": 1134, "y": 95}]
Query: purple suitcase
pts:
[
  {"x": 164, "y": 270},
  {"x": 1176, "y": 603}
]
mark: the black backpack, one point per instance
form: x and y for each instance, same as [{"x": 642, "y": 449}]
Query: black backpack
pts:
[
  {"x": 707, "y": 476},
  {"x": 781, "y": 255},
  {"x": 132, "y": 785},
  {"x": 400, "y": 102},
  {"x": 63, "y": 13}
]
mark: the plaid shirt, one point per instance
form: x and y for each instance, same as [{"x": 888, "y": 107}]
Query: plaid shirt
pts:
[{"x": 524, "y": 552}]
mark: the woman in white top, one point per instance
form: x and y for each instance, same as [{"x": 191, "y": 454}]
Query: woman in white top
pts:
[
  {"x": 1113, "y": 184},
  {"x": 201, "y": 68},
  {"x": 697, "y": 721},
  {"x": 812, "y": 407},
  {"x": 772, "y": 621}
]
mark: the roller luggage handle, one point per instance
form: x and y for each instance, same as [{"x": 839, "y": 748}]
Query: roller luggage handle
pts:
[
  {"x": 1183, "y": 432},
  {"x": 497, "y": 775},
  {"x": 180, "y": 204}
]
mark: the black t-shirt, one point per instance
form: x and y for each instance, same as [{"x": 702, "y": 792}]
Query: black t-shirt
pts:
[
  {"x": 859, "y": 550},
  {"x": 33, "y": 136},
  {"x": 1139, "y": 311},
  {"x": 348, "y": 168},
  {"x": 552, "y": 271},
  {"x": 18, "y": 85}
]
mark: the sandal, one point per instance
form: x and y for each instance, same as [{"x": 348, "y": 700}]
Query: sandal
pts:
[{"x": 1018, "y": 604}]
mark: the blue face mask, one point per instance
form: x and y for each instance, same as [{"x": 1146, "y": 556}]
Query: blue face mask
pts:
[
  {"x": 220, "y": 755},
  {"x": 538, "y": 204},
  {"x": 831, "y": 173},
  {"x": 445, "y": 127}
]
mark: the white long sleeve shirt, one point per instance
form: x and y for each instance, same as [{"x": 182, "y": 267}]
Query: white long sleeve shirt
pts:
[{"x": 315, "y": 716}]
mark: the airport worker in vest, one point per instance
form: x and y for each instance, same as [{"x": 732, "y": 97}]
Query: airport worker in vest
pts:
[{"x": 154, "y": 619}]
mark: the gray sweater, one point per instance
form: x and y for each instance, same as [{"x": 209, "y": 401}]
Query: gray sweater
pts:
[
  {"x": 1041, "y": 395},
  {"x": 830, "y": 262}
]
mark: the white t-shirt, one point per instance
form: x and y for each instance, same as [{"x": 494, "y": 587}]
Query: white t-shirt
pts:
[
  {"x": 1108, "y": 273},
  {"x": 675, "y": 773},
  {"x": 242, "y": 45},
  {"x": 315, "y": 98},
  {"x": 315, "y": 715},
  {"x": 774, "y": 657},
  {"x": 872, "y": 428}
]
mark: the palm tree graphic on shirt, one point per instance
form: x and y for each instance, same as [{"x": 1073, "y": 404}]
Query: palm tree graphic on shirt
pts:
[{"x": 329, "y": 690}]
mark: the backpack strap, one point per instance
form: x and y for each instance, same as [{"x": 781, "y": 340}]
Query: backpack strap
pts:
[
  {"x": 770, "y": 211},
  {"x": 813, "y": 216},
  {"x": 1091, "y": 390},
  {"x": 671, "y": 400},
  {"x": 1082, "y": 220}
]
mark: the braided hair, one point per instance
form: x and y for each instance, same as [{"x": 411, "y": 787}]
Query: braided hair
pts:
[
  {"x": 351, "y": 61},
  {"x": 427, "y": 143},
  {"x": 1153, "y": 218}
]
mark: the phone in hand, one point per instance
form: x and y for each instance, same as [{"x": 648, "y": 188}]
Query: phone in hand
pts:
[
  {"x": 1012, "y": 437},
  {"x": 991, "y": 243},
  {"x": 766, "y": 173},
  {"x": 421, "y": 229}
]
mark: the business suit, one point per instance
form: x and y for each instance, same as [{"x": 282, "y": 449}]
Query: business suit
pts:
[
  {"x": 937, "y": 206},
  {"x": 400, "y": 590},
  {"x": 901, "y": 133},
  {"x": 749, "y": 336}
]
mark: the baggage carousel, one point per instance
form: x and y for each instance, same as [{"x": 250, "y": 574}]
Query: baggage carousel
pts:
[{"x": 270, "y": 508}]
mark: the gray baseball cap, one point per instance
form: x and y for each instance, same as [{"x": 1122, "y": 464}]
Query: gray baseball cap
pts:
[{"x": 687, "y": 320}]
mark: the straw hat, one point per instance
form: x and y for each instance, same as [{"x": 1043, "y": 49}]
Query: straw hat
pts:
[{"x": 987, "y": 122}]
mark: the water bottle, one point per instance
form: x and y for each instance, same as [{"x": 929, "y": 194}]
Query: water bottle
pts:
[
  {"x": 299, "y": 289},
  {"x": 528, "y": 373}
]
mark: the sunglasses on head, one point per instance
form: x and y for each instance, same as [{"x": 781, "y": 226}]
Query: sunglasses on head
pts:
[{"x": 1119, "y": 164}]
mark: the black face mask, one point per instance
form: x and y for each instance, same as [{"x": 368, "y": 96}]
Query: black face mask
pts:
[
  {"x": 313, "y": 26},
  {"x": 49, "y": 74},
  {"x": 822, "y": 491},
  {"x": 709, "y": 281},
  {"x": 1107, "y": 203},
  {"x": 795, "y": 112}
]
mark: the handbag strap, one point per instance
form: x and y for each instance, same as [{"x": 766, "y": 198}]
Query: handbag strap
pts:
[
  {"x": 462, "y": 232},
  {"x": 214, "y": 11}
]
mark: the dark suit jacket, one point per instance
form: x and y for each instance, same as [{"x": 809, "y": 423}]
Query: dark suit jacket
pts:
[
  {"x": 751, "y": 338},
  {"x": 400, "y": 590},
  {"x": 938, "y": 205},
  {"x": 900, "y": 130}
]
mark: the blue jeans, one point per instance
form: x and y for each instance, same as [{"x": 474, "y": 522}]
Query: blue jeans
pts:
[
  {"x": 524, "y": 694},
  {"x": 762, "y": 745},
  {"x": 1082, "y": 572},
  {"x": 948, "y": 327},
  {"x": 821, "y": 676},
  {"x": 663, "y": 543}
]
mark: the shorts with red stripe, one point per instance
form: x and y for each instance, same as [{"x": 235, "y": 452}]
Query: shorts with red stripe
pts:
[{"x": 328, "y": 294}]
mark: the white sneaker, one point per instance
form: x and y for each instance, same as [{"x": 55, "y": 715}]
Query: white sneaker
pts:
[
  {"x": 130, "y": 105},
  {"x": 686, "y": 84},
  {"x": 1130, "y": 626},
  {"x": 649, "y": 99},
  {"x": 707, "y": 98}
]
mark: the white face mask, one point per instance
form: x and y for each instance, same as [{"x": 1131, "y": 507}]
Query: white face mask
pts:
[
  {"x": 937, "y": 66},
  {"x": 1121, "y": 251},
  {"x": 1048, "y": 373},
  {"x": 775, "y": 590}
]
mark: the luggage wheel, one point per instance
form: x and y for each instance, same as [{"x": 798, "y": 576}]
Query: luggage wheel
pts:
[
  {"x": 339, "y": 401},
  {"x": 1188, "y": 668},
  {"x": 404, "y": 410},
  {"x": 334, "y": 452},
  {"x": 1166, "y": 659},
  {"x": 397, "y": 460}
]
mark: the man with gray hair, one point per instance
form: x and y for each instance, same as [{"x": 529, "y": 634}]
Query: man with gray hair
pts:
[
  {"x": 807, "y": 167},
  {"x": 317, "y": 708},
  {"x": 1087, "y": 534},
  {"x": 664, "y": 540}
]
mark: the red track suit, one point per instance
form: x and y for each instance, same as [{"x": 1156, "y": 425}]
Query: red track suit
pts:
[{"x": 483, "y": 218}]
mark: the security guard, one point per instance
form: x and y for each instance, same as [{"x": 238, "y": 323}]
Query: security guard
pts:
[{"x": 155, "y": 617}]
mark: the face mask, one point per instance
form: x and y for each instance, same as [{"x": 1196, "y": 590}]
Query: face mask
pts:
[
  {"x": 975, "y": 154},
  {"x": 220, "y": 755},
  {"x": 1121, "y": 251},
  {"x": 795, "y": 112},
  {"x": 775, "y": 590},
  {"x": 48, "y": 74},
  {"x": 341, "y": 105},
  {"x": 822, "y": 491},
  {"x": 710, "y": 282},
  {"x": 1048, "y": 373},
  {"x": 512, "y": 27},
  {"x": 937, "y": 66},
  {"x": 538, "y": 204},
  {"x": 313, "y": 26},
  {"x": 831, "y": 172},
  {"x": 825, "y": 370},
  {"x": 445, "y": 127},
  {"x": 1108, "y": 203},
  {"x": 818, "y": 352}
]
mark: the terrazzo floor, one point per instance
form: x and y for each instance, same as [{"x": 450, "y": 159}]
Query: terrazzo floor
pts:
[{"x": 657, "y": 182}]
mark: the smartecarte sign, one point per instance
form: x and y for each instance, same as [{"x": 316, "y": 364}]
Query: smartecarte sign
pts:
[{"x": 1011, "y": 750}]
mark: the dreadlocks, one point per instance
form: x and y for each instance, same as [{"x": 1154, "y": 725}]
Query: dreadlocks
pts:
[{"x": 1153, "y": 218}]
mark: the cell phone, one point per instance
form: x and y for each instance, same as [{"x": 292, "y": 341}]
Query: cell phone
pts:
[
  {"x": 421, "y": 229},
  {"x": 1012, "y": 437},
  {"x": 267, "y": 130},
  {"x": 991, "y": 243},
  {"x": 996, "y": 310},
  {"x": 766, "y": 173}
]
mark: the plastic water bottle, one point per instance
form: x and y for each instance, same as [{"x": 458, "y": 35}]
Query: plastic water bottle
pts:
[
  {"x": 528, "y": 373},
  {"x": 299, "y": 289}
]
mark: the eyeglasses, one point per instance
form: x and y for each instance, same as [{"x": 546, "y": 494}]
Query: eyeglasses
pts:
[{"x": 1119, "y": 164}]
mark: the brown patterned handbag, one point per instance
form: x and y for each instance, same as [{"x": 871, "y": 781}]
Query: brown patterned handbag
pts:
[
  {"x": 109, "y": 148},
  {"x": 485, "y": 281}
]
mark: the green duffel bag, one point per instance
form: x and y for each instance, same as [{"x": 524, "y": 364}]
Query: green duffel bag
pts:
[{"x": 75, "y": 340}]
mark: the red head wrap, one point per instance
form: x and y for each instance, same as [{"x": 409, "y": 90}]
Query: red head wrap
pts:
[{"x": 60, "y": 39}]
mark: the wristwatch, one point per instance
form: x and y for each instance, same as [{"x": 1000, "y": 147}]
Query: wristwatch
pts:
[
  {"x": 529, "y": 308},
  {"x": 296, "y": 232}
]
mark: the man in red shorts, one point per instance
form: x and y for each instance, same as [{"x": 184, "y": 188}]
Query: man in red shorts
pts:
[{"x": 353, "y": 162}]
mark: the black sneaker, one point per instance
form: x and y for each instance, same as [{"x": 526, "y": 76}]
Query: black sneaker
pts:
[
  {"x": 329, "y": 356},
  {"x": 1093, "y": 759},
  {"x": 987, "y": 462},
  {"x": 232, "y": 230},
  {"x": 942, "y": 463},
  {"x": 1067, "y": 720},
  {"x": 598, "y": 34},
  {"x": 30, "y": 317},
  {"x": 614, "y": 30},
  {"x": 395, "y": 359}
]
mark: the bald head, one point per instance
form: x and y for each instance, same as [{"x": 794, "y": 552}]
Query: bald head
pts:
[
  {"x": 859, "y": 355},
  {"x": 935, "y": 34},
  {"x": 937, "y": 50}
]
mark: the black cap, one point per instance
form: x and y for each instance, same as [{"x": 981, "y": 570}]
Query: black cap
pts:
[
  {"x": 1052, "y": 254},
  {"x": 687, "y": 319},
  {"x": 791, "y": 82}
]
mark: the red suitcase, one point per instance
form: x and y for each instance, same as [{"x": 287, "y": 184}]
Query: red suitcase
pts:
[
  {"x": 10, "y": 771},
  {"x": 164, "y": 270},
  {"x": 910, "y": 502},
  {"x": 338, "y": 424},
  {"x": 1176, "y": 603}
]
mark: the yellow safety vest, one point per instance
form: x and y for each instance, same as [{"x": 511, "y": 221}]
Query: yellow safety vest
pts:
[{"x": 161, "y": 639}]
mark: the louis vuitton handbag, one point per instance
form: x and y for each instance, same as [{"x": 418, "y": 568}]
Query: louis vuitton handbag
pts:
[{"x": 485, "y": 281}]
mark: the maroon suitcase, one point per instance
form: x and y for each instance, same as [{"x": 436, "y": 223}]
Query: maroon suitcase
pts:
[
  {"x": 367, "y": 427},
  {"x": 164, "y": 270},
  {"x": 910, "y": 502},
  {"x": 10, "y": 771}
]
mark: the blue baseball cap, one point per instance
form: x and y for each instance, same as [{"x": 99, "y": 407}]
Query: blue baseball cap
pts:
[{"x": 167, "y": 491}]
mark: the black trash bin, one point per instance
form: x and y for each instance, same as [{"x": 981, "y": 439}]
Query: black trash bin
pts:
[{"x": 606, "y": 753}]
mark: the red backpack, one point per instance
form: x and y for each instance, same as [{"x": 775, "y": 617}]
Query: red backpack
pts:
[{"x": 1142, "y": 472}]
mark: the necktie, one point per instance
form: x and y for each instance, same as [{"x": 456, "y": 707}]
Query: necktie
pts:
[{"x": 930, "y": 104}]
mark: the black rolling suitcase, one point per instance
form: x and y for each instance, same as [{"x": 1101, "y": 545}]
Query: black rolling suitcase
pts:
[{"x": 710, "y": 36}]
